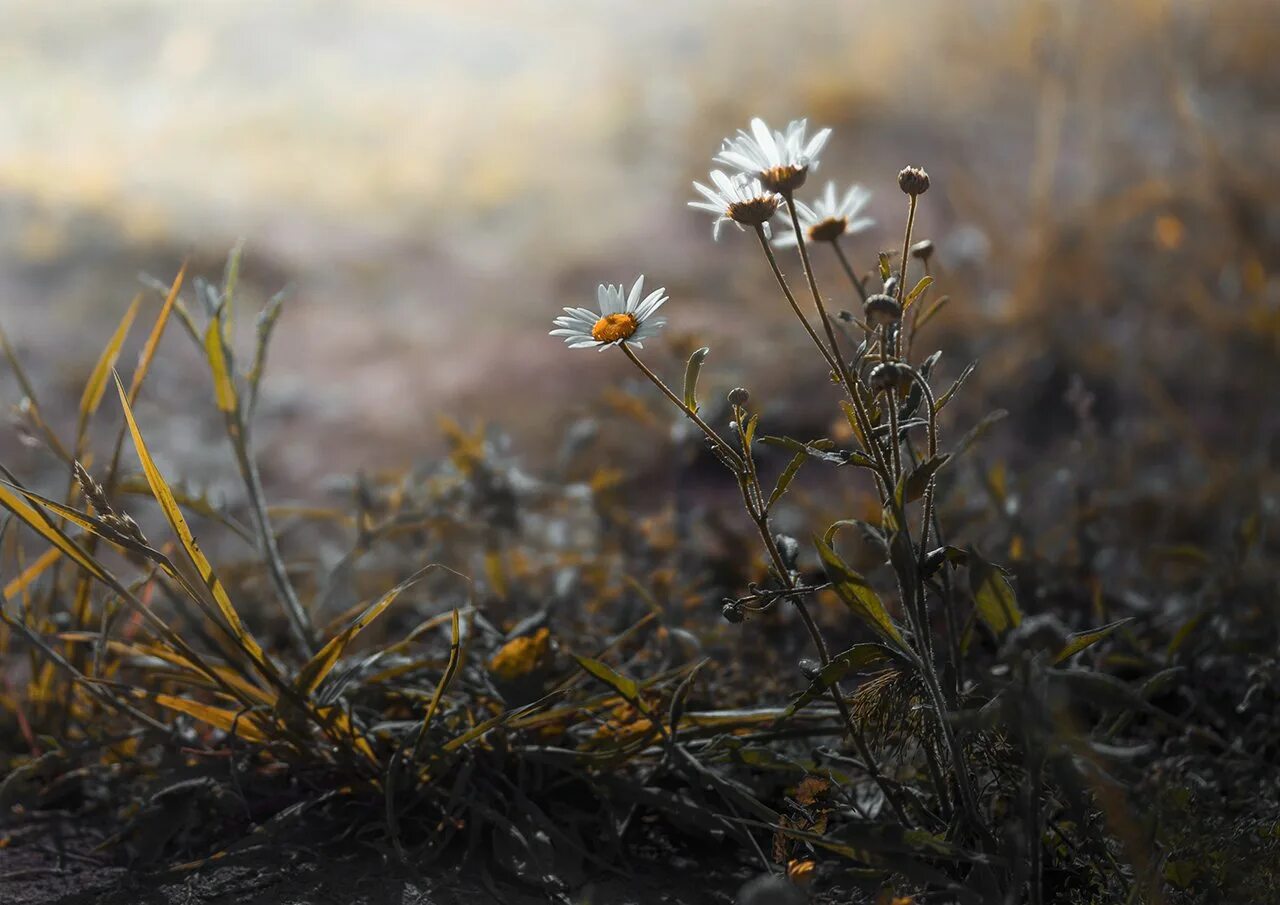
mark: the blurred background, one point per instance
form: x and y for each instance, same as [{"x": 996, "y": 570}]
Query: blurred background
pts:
[{"x": 435, "y": 180}]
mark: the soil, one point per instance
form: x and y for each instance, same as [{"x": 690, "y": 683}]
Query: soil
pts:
[{"x": 39, "y": 868}]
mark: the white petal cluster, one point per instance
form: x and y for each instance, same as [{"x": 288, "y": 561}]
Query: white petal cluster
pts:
[
  {"x": 740, "y": 200},
  {"x": 779, "y": 159},
  {"x": 623, "y": 317},
  {"x": 831, "y": 216}
]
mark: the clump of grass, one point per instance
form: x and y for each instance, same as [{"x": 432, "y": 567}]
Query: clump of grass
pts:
[{"x": 512, "y": 667}]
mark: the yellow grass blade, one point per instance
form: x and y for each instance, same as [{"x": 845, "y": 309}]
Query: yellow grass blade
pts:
[
  {"x": 218, "y": 717},
  {"x": 97, "y": 383},
  {"x": 31, "y": 573},
  {"x": 224, "y": 386},
  {"x": 315, "y": 670},
  {"x": 36, "y": 522},
  {"x": 455, "y": 656},
  {"x": 164, "y": 496},
  {"x": 163, "y": 652},
  {"x": 157, "y": 331}
]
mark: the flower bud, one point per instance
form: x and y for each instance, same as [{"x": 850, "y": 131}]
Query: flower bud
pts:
[
  {"x": 922, "y": 249},
  {"x": 810, "y": 668},
  {"x": 882, "y": 311},
  {"x": 891, "y": 375},
  {"x": 913, "y": 180},
  {"x": 739, "y": 396},
  {"x": 731, "y": 612}
]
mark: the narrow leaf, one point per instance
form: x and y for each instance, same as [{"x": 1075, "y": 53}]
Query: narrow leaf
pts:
[
  {"x": 691, "y": 372},
  {"x": 1083, "y": 640},
  {"x": 855, "y": 659},
  {"x": 96, "y": 386},
  {"x": 925, "y": 283},
  {"x": 626, "y": 687},
  {"x": 785, "y": 479},
  {"x": 224, "y": 386},
  {"x": 164, "y": 496},
  {"x": 993, "y": 597},
  {"x": 913, "y": 485},
  {"x": 315, "y": 670},
  {"x": 859, "y": 596}
]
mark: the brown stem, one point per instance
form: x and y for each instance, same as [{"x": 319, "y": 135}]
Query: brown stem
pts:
[
  {"x": 848, "y": 269},
  {"x": 689, "y": 413},
  {"x": 902, "y": 274}
]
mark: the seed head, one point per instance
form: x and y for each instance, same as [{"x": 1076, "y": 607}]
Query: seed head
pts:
[
  {"x": 739, "y": 396},
  {"x": 922, "y": 249},
  {"x": 882, "y": 311},
  {"x": 890, "y": 375},
  {"x": 913, "y": 180},
  {"x": 92, "y": 491}
]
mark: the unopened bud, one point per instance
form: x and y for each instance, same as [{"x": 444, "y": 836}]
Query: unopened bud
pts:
[
  {"x": 913, "y": 180},
  {"x": 882, "y": 311},
  {"x": 731, "y": 612},
  {"x": 739, "y": 396}
]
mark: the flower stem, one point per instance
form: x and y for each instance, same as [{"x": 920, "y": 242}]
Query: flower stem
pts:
[
  {"x": 848, "y": 269},
  {"x": 902, "y": 276},
  {"x": 791, "y": 300},
  {"x": 716, "y": 439},
  {"x": 836, "y": 364}
]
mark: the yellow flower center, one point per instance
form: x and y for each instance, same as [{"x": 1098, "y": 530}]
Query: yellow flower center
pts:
[{"x": 613, "y": 327}]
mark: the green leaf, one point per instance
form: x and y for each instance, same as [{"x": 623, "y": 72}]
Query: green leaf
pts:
[
  {"x": 993, "y": 596},
  {"x": 691, "y": 371},
  {"x": 785, "y": 479},
  {"x": 955, "y": 387},
  {"x": 628, "y": 688},
  {"x": 1082, "y": 640},
  {"x": 913, "y": 485},
  {"x": 885, "y": 270},
  {"x": 855, "y": 659},
  {"x": 925, "y": 283},
  {"x": 859, "y": 596}
]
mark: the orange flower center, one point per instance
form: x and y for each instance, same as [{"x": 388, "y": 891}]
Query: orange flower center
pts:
[{"x": 613, "y": 327}]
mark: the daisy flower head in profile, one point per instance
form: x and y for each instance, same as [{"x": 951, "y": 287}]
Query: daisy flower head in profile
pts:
[
  {"x": 624, "y": 317},
  {"x": 830, "y": 217},
  {"x": 740, "y": 200},
  {"x": 780, "y": 160}
]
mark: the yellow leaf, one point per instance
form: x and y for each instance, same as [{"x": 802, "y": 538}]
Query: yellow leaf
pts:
[
  {"x": 97, "y": 383},
  {"x": 224, "y": 386},
  {"x": 34, "y": 520},
  {"x": 153, "y": 340},
  {"x": 521, "y": 656},
  {"x": 164, "y": 496},
  {"x": 31, "y": 573},
  {"x": 313, "y": 673},
  {"x": 241, "y": 724}
]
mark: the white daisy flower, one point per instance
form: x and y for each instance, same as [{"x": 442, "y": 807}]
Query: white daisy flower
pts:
[
  {"x": 780, "y": 160},
  {"x": 830, "y": 217},
  {"x": 623, "y": 318},
  {"x": 739, "y": 200}
]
